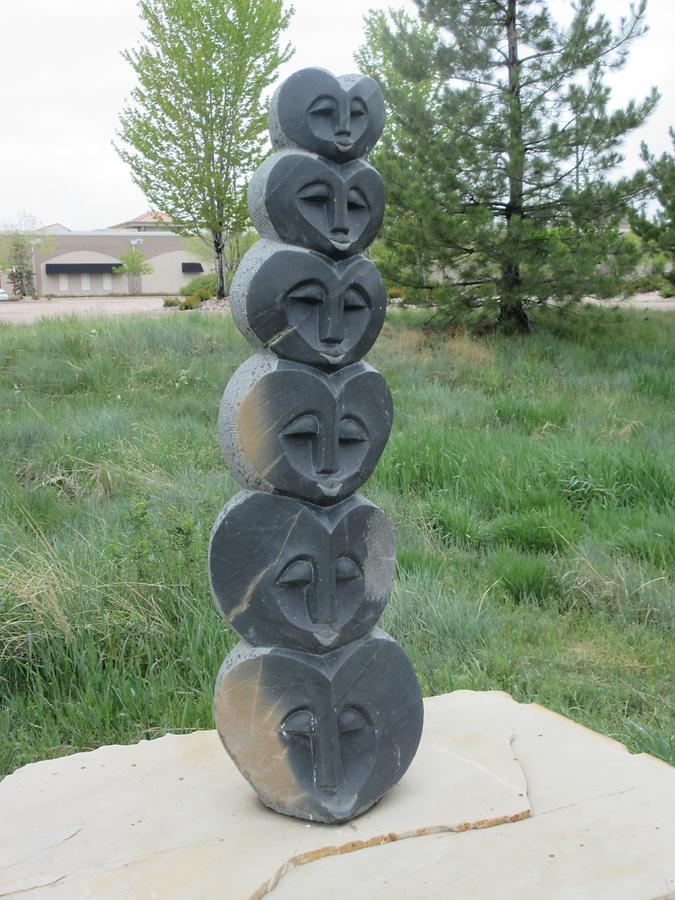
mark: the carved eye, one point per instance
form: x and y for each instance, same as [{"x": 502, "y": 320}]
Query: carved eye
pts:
[
  {"x": 323, "y": 106},
  {"x": 351, "y": 719},
  {"x": 354, "y": 299},
  {"x": 346, "y": 569},
  {"x": 356, "y": 200},
  {"x": 303, "y": 426},
  {"x": 307, "y": 293},
  {"x": 298, "y": 573},
  {"x": 317, "y": 192},
  {"x": 357, "y": 108},
  {"x": 351, "y": 431},
  {"x": 302, "y": 721}
]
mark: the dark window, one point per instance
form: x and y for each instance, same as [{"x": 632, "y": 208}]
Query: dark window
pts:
[
  {"x": 193, "y": 267},
  {"x": 77, "y": 268}
]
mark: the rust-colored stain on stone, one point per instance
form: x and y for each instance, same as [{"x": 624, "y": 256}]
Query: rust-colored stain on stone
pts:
[{"x": 302, "y": 859}]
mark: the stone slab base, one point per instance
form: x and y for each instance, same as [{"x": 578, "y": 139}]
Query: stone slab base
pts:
[{"x": 503, "y": 800}]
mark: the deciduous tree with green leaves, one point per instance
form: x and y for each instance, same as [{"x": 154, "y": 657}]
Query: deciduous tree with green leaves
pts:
[
  {"x": 134, "y": 266},
  {"x": 499, "y": 150},
  {"x": 193, "y": 129}
]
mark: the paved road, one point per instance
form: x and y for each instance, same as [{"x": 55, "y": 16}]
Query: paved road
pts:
[
  {"x": 24, "y": 311},
  {"x": 637, "y": 301}
]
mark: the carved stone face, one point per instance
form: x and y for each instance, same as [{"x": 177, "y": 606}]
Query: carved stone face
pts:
[
  {"x": 288, "y": 573},
  {"x": 294, "y": 430},
  {"x": 320, "y": 737},
  {"x": 302, "y": 199},
  {"x": 307, "y": 308},
  {"x": 340, "y": 118}
]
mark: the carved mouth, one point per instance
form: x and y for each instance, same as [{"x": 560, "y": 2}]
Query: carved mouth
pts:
[
  {"x": 330, "y": 487},
  {"x": 344, "y": 144},
  {"x": 334, "y": 356},
  {"x": 340, "y": 243}
]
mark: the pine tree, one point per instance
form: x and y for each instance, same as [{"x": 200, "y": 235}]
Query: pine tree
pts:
[
  {"x": 499, "y": 150},
  {"x": 658, "y": 231},
  {"x": 193, "y": 130}
]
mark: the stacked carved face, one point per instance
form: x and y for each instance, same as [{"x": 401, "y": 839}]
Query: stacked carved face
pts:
[{"x": 318, "y": 709}]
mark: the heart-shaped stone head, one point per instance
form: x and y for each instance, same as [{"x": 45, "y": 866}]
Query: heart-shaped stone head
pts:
[
  {"x": 303, "y": 199},
  {"x": 340, "y": 118},
  {"x": 306, "y": 307}
]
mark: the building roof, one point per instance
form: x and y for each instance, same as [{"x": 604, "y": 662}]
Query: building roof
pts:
[
  {"x": 151, "y": 220},
  {"x": 54, "y": 228},
  {"x": 119, "y": 232}
]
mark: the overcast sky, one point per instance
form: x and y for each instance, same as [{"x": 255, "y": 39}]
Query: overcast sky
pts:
[{"x": 63, "y": 83}]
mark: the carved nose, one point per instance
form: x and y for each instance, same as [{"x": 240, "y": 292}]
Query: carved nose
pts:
[
  {"x": 343, "y": 124},
  {"x": 340, "y": 223},
  {"x": 325, "y": 611},
  {"x": 326, "y": 462},
  {"x": 327, "y": 761},
  {"x": 331, "y": 323}
]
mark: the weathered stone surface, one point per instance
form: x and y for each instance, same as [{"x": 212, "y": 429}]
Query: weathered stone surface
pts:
[
  {"x": 298, "y": 575},
  {"x": 307, "y": 308},
  {"x": 173, "y": 817},
  {"x": 308, "y": 709},
  {"x": 340, "y": 118},
  {"x": 304, "y": 199},
  {"x": 320, "y": 737},
  {"x": 288, "y": 428}
]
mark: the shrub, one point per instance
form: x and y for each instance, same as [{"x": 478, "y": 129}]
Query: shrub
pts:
[
  {"x": 193, "y": 302},
  {"x": 202, "y": 294},
  {"x": 207, "y": 284},
  {"x": 172, "y": 301},
  {"x": 645, "y": 284}
]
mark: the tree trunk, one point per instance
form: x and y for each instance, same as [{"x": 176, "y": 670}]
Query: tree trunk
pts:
[
  {"x": 511, "y": 311},
  {"x": 219, "y": 248}
]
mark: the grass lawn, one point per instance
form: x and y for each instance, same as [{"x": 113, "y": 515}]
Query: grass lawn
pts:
[{"x": 531, "y": 482}]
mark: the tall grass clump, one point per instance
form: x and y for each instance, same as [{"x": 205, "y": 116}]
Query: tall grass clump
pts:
[{"x": 531, "y": 483}]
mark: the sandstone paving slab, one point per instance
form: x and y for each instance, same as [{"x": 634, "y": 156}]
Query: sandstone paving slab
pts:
[
  {"x": 173, "y": 817},
  {"x": 620, "y": 847},
  {"x": 602, "y": 827}
]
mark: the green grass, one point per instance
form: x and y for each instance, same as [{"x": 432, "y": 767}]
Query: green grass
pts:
[{"x": 531, "y": 482}]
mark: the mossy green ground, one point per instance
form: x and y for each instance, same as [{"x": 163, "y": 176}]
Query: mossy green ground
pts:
[{"x": 531, "y": 482}]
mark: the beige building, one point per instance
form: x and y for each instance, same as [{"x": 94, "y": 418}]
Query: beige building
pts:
[{"x": 80, "y": 263}]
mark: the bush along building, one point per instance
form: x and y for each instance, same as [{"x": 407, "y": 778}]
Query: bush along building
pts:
[
  {"x": 318, "y": 707},
  {"x": 83, "y": 263}
]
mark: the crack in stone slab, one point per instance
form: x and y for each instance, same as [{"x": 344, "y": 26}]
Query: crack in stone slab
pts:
[
  {"x": 302, "y": 859},
  {"x": 465, "y": 794},
  {"x": 596, "y": 797},
  {"x": 60, "y": 843},
  {"x": 34, "y": 887}
]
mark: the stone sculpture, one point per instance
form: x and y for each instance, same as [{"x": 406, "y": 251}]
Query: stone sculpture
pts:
[
  {"x": 293, "y": 429},
  {"x": 288, "y": 573},
  {"x": 345, "y": 725},
  {"x": 317, "y": 706},
  {"x": 300, "y": 198},
  {"x": 306, "y": 307},
  {"x": 340, "y": 118}
]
